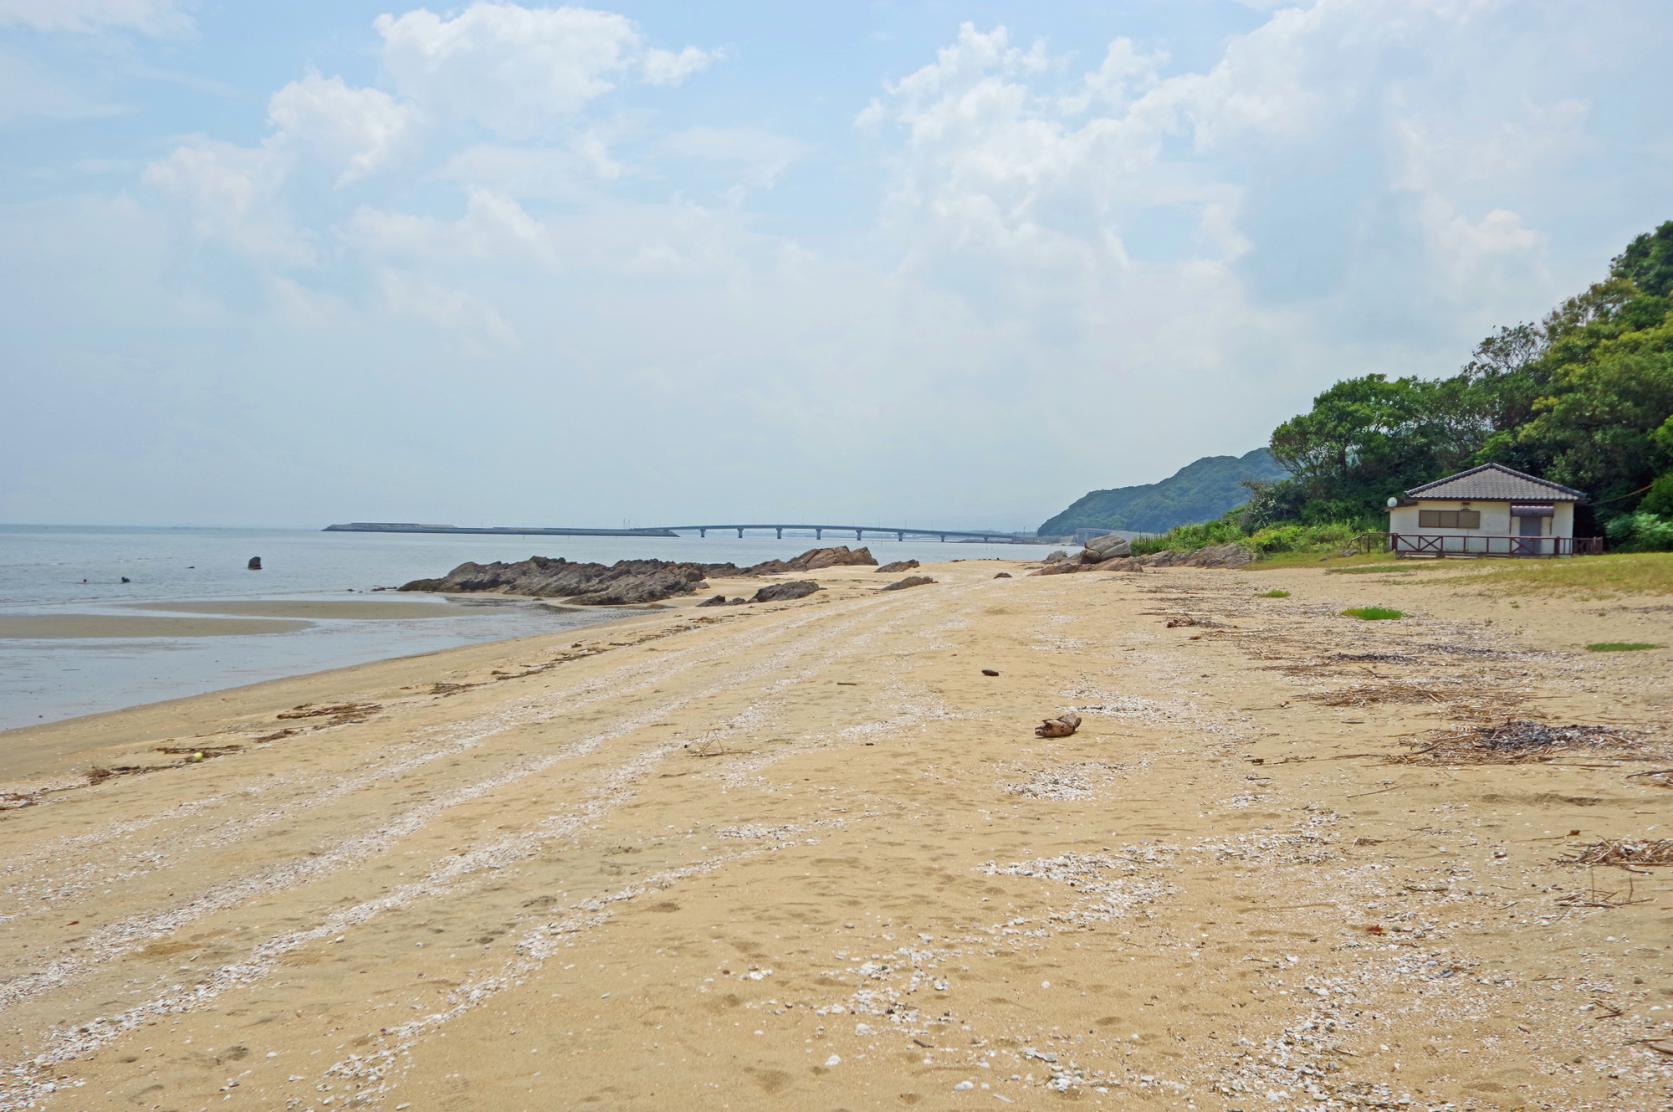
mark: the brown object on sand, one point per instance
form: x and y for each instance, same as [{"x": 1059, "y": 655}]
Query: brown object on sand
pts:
[
  {"x": 909, "y": 581},
  {"x": 989, "y": 672},
  {"x": 1061, "y": 726},
  {"x": 1003, "y": 575}
]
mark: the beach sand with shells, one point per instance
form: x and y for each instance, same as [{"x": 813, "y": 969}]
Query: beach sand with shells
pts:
[{"x": 808, "y": 855}]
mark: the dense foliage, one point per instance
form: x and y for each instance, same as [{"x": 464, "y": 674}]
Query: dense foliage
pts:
[
  {"x": 1269, "y": 540},
  {"x": 1197, "y": 492},
  {"x": 1584, "y": 398}
]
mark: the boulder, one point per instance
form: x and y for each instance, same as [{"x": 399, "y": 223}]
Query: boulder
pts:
[
  {"x": 909, "y": 581},
  {"x": 717, "y": 600},
  {"x": 1056, "y": 556},
  {"x": 1063, "y": 567},
  {"x": 254, "y": 564},
  {"x": 1099, "y": 549},
  {"x": 1003, "y": 575},
  {"x": 899, "y": 566},
  {"x": 779, "y": 592}
]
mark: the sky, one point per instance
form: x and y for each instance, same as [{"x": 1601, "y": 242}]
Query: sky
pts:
[{"x": 924, "y": 263}]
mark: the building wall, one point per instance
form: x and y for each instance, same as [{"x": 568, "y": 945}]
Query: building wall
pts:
[
  {"x": 1562, "y": 525},
  {"x": 1495, "y": 520}
]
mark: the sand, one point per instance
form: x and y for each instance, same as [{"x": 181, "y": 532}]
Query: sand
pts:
[
  {"x": 334, "y": 609},
  {"x": 808, "y": 855},
  {"x": 55, "y": 627}
]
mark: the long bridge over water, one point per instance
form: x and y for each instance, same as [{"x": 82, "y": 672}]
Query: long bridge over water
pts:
[{"x": 899, "y": 532}]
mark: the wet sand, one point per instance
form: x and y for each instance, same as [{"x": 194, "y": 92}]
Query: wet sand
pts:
[
  {"x": 809, "y": 855},
  {"x": 104, "y": 626},
  {"x": 358, "y": 611}
]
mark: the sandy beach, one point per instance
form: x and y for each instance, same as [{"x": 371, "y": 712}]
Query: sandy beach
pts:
[{"x": 809, "y": 855}]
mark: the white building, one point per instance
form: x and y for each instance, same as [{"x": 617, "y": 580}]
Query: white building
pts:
[{"x": 1489, "y": 510}]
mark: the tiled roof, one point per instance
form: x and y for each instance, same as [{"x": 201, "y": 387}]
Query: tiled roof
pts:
[{"x": 1496, "y": 482}]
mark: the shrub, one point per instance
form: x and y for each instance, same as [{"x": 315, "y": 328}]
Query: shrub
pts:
[
  {"x": 1189, "y": 538},
  {"x": 1373, "y": 614},
  {"x": 1273, "y": 594},
  {"x": 1303, "y": 538},
  {"x": 1619, "y": 646},
  {"x": 1641, "y": 532}
]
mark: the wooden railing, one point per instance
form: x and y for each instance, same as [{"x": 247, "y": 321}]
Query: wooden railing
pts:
[{"x": 1476, "y": 544}]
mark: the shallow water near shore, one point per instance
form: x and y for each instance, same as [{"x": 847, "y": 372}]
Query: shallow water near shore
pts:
[{"x": 75, "y": 639}]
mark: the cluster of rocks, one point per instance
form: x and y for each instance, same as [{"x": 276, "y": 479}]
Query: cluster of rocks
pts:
[
  {"x": 772, "y": 592},
  {"x": 632, "y": 582},
  {"x": 1113, "y": 553}
]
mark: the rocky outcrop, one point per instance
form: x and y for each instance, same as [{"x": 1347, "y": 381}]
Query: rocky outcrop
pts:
[
  {"x": 780, "y": 592},
  {"x": 624, "y": 583},
  {"x": 722, "y": 600},
  {"x": 909, "y": 581},
  {"x": 899, "y": 566},
  {"x": 814, "y": 559},
  {"x": 1056, "y": 556},
  {"x": 254, "y": 564},
  {"x": 1214, "y": 556}
]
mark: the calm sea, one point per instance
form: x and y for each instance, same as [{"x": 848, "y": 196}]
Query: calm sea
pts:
[{"x": 69, "y": 570}]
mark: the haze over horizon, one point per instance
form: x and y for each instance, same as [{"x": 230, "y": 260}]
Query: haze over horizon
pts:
[{"x": 933, "y": 264}]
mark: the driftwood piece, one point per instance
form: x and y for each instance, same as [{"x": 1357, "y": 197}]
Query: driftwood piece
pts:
[{"x": 1061, "y": 726}]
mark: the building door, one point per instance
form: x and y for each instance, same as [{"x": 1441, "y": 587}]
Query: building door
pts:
[{"x": 1532, "y": 528}]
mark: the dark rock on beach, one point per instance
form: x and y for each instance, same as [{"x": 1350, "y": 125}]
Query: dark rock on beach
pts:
[
  {"x": 899, "y": 566},
  {"x": 624, "y": 583},
  {"x": 909, "y": 581},
  {"x": 780, "y": 592},
  {"x": 722, "y": 600}
]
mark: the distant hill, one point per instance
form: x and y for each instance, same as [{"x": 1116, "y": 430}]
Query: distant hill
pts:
[{"x": 1199, "y": 491}]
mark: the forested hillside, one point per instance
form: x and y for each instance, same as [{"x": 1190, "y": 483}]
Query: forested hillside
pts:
[
  {"x": 1583, "y": 397},
  {"x": 1199, "y": 491}
]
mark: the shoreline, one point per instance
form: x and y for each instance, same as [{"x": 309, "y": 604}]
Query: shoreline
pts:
[
  {"x": 810, "y": 853},
  {"x": 307, "y": 680}
]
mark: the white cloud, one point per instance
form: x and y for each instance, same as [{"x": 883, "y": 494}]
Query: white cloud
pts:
[
  {"x": 672, "y": 67},
  {"x": 758, "y": 158},
  {"x": 521, "y": 72},
  {"x": 231, "y": 196},
  {"x": 474, "y": 323},
  {"x": 362, "y": 130},
  {"x": 494, "y": 228},
  {"x": 147, "y": 17}
]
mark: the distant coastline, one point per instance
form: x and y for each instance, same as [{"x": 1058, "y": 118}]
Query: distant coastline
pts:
[{"x": 500, "y": 530}]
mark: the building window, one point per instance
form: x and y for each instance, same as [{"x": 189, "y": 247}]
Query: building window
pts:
[{"x": 1449, "y": 519}]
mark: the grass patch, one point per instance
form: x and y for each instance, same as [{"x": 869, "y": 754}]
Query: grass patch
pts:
[
  {"x": 1620, "y": 646},
  {"x": 1373, "y": 614},
  {"x": 1631, "y": 573},
  {"x": 1273, "y": 594}
]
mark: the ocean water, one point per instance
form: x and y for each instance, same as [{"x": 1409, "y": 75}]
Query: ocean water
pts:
[{"x": 76, "y": 570}]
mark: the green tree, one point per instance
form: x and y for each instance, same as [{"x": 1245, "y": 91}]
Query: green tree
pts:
[{"x": 1648, "y": 262}]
